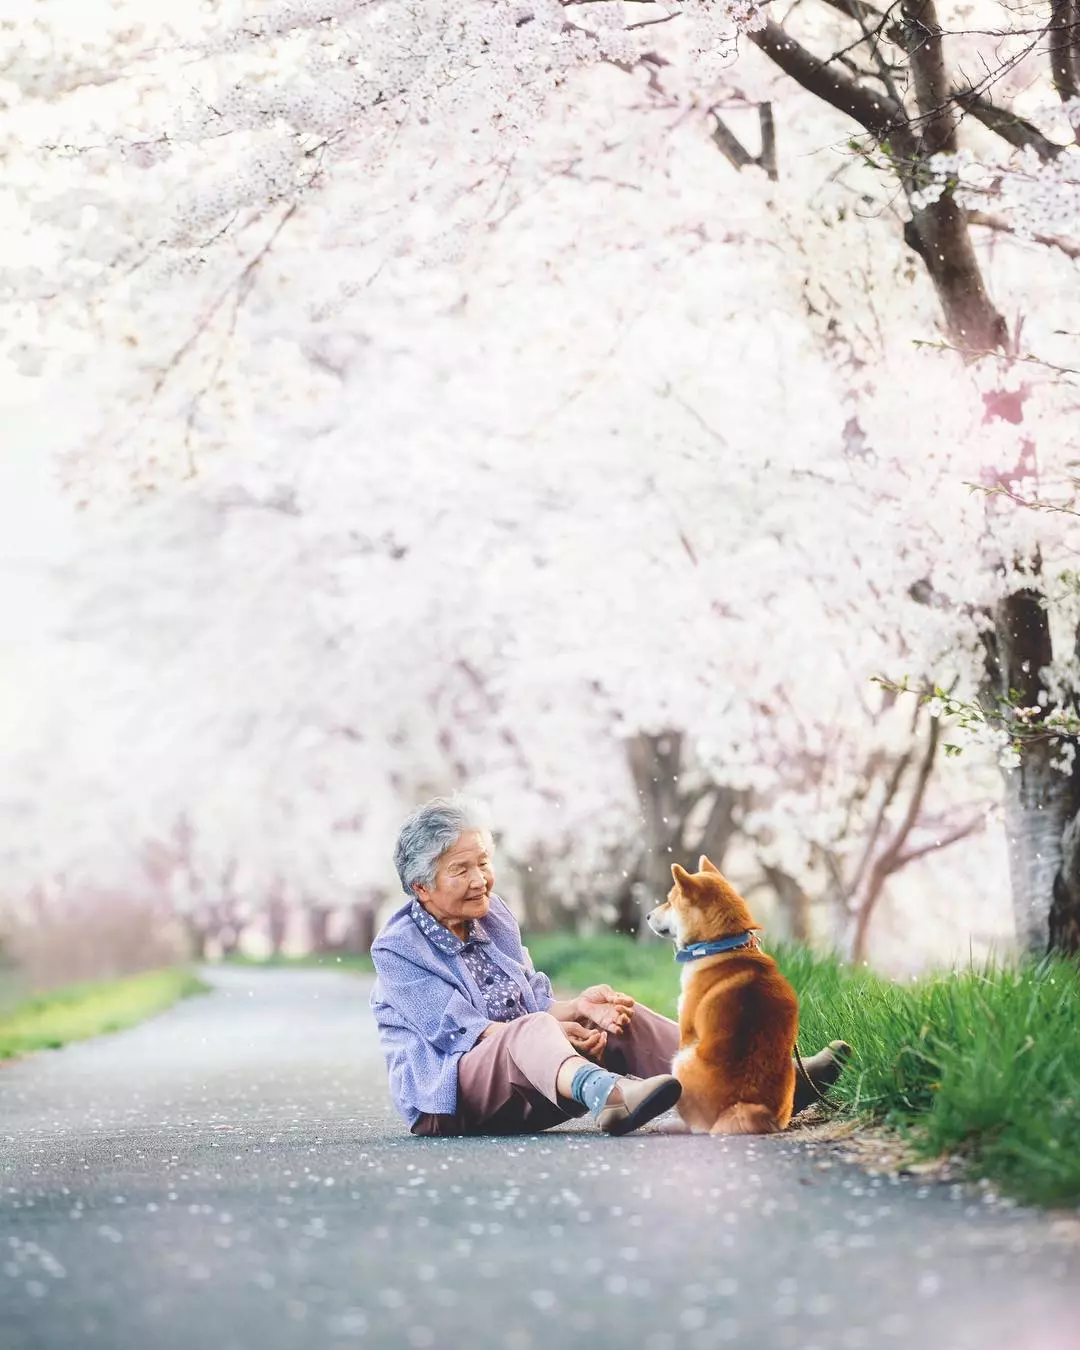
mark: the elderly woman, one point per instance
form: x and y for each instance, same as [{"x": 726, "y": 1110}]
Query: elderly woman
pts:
[{"x": 474, "y": 1039}]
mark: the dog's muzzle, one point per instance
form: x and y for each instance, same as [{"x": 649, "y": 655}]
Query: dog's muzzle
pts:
[{"x": 658, "y": 923}]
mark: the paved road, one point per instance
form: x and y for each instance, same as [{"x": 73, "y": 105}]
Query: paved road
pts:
[{"x": 230, "y": 1177}]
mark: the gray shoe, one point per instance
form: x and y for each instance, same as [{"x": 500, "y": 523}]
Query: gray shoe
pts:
[
  {"x": 823, "y": 1069},
  {"x": 643, "y": 1099}
]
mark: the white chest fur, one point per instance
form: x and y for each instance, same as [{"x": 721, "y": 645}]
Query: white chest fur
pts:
[{"x": 684, "y": 981}]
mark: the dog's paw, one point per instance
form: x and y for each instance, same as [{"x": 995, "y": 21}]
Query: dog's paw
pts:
[{"x": 673, "y": 1127}]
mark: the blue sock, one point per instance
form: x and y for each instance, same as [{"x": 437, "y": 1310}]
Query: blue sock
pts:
[{"x": 592, "y": 1087}]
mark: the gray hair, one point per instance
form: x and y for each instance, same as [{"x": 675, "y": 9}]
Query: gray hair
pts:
[{"x": 429, "y": 832}]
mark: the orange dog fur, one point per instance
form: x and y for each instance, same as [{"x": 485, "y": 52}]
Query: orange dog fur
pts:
[{"x": 738, "y": 1016}]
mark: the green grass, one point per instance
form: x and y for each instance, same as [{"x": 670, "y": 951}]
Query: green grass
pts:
[
  {"x": 644, "y": 970},
  {"x": 984, "y": 1063},
  {"x": 83, "y": 1010}
]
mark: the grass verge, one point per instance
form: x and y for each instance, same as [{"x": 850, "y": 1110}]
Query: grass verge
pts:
[
  {"x": 982, "y": 1063},
  {"x": 83, "y": 1010}
]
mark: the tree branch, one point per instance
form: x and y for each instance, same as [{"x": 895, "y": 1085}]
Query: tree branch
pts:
[
  {"x": 990, "y": 221},
  {"x": 888, "y": 861},
  {"x": 1017, "y": 131},
  {"x": 870, "y": 37},
  {"x": 736, "y": 153},
  {"x": 891, "y": 789},
  {"x": 650, "y": 62},
  {"x": 961, "y": 831},
  {"x": 729, "y": 144},
  {"x": 767, "y": 158},
  {"x": 1065, "y": 16},
  {"x": 923, "y": 42},
  {"x": 889, "y": 858},
  {"x": 240, "y": 285},
  {"x": 877, "y": 114},
  {"x": 857, "y": 9}
]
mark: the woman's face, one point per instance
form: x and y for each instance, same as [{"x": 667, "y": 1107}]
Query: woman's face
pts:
[{"x": 463, "y": 882}]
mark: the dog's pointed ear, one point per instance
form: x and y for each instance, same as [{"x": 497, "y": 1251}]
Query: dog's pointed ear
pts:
[
  {"x": 704, "y": 865},
  {"x": 683, "y": 879}
]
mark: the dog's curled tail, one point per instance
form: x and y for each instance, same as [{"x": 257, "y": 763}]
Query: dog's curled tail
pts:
[{"x": 746, "y": 1118}]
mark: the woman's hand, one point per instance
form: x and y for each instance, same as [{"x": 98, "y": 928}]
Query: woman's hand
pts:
[
  {"x": 589, "y": 1042},
  {"x": 605, "y": 1007}
]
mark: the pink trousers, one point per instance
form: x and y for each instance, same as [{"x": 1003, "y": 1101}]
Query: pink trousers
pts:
[{"x": 506, "y": 1083}]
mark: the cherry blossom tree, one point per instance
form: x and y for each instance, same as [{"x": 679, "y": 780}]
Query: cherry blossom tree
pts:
[
  {"x": 298, "y": 663},
  {"x": 307, "y": 230},
  {"x": 912, "y": 85}
]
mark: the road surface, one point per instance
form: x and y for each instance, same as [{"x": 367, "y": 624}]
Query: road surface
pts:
[{"x": 230, "y": 1176}]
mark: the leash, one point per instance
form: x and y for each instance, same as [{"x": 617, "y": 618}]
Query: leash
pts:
[{"x": 806, "y": 1077}]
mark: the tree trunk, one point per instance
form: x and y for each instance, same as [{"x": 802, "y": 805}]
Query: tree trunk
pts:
[
  {"x": 794, "y": 903},
  {"x": 1039, "y": 804},
  {"x": 318, "y": 929},
  {"x": 536, "y": 911},
  {"x": 668, "y": 808},
  {"x": 1065, "y": 906},
  {"x": 277, "y": 923},
  {"x": 720, "y": 828},
  {"x": 360, "y": 933},
  {"x": 628, "y": 915},
  {"x": 939, "y": 234},
  {"x": 1040, "y": 801},
  {"x": 545, "y": 906},
  {"x": 227, "y": 929},
  {"x": 229, "y": 938},
  {"x": 655, "y": 763},
  {"x": 197, "y": 936},
  {"x": 861, "y": 910}
]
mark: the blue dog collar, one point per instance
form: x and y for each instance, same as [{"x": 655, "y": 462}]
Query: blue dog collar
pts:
[{"x": 696, "y": 950}]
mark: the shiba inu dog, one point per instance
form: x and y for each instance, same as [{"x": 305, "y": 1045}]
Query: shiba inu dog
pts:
[{"x": 738, "y": 1016}]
